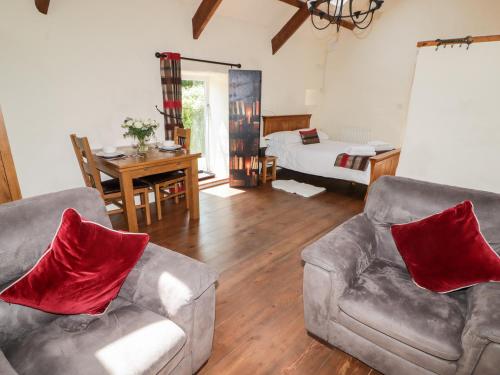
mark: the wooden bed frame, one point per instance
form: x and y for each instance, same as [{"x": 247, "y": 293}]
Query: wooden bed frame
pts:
[{"x": 381, "y": 165}]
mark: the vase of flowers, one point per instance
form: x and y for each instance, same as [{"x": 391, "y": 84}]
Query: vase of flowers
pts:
[{"x": 140, "y": 130}]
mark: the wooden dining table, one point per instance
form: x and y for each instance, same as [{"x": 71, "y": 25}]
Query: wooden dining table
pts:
[{"x": 153, "y": 162}]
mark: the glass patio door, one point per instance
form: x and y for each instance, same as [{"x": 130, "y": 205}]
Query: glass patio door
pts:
[{"x": 195, "y": 115}]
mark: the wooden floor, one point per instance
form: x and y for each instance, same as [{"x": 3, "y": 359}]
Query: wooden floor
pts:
[{"x": 254, "y": 238}]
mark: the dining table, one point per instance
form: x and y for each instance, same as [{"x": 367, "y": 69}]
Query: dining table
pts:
[{"x": 155, "y": 161}]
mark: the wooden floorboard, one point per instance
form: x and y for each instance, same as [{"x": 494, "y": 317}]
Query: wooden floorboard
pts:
[{"x": 254, "y": 239}]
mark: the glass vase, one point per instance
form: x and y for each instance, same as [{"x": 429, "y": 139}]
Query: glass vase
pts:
[{"x": 142, "y": 146}]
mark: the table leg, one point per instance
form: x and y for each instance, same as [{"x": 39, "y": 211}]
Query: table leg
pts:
[
  {"x": 193, "y": 190},
  {"x": 274, "y": 170},
  {"x": 127, "y": 188}
]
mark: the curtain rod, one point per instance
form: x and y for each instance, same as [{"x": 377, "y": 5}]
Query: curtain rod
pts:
[{"x": 158, "y": 55}]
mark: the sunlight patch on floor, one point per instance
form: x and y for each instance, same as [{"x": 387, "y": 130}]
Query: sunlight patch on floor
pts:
[{"x": 223, "y": 191}]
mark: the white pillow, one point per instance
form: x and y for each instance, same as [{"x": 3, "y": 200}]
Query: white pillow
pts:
[
  {"x": 291, "y": 137},
  {"x": 286, "y": 137}
]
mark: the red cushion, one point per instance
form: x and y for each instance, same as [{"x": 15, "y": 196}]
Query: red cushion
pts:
[
  {"x": 309, "y": 136},
  {"x": 81, "y": 272},
  {"x": 447, "y": 251}
]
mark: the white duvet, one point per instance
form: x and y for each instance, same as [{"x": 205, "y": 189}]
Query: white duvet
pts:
[{"x": 317, "y": 159}]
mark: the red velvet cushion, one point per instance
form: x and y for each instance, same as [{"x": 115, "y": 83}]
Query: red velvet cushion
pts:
[
  {"x": 447, "y": 251},
  {"x": 309, "y": 137},
  {"x": 82, "y": 270}
]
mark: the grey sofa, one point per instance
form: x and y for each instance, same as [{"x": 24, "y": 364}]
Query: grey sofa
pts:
[
  {"x": 359, "y": 297},
  {"x": 162, "y": 322}
]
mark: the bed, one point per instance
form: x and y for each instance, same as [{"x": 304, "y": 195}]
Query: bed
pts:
[{"x": 319, "y": 159}]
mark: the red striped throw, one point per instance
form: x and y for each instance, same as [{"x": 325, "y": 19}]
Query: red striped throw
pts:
[{"x": 359, "y": 163}]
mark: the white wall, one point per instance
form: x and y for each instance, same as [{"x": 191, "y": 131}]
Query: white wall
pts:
[
  {"x": 89, "y": 64},
  {"x": 369, "y": 76}
]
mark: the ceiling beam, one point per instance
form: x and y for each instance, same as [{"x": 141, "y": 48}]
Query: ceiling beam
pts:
[
  {"x": 295, "y": 3},
  {"x": 297, "y": 21},
  {"x": 203, "y": 15},
  {"x": 290, "y": 28},
  {"x": 42, "y": 6}
]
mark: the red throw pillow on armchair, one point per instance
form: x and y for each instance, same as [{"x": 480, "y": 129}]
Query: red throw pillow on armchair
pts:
[
  {"x": 81, "y": 272},
  {"x": 447, "y": 251}
]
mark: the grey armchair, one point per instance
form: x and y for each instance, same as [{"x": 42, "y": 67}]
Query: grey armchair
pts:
[
  {"x": 162, "y": 322},
  {"x": 359, "y": 297}
]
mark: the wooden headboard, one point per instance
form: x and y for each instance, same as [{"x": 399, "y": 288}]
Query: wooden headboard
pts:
[{"x": 273, "y": 124}]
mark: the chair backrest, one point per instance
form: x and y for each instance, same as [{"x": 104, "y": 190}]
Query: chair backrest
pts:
[
  {"x": 396, "y": 200},
  {"x": 183, "y": 137},
  {"x": 90, "y": 173},
  {"x": 9, "y": 184}
]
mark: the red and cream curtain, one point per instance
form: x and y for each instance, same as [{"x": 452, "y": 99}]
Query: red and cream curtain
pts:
[{"x": 171, "y": 83}]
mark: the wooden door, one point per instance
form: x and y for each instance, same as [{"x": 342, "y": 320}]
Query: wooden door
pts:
[{"x": 9, "y": 185}]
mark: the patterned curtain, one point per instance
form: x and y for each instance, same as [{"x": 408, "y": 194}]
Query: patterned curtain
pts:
[{"x": 171, "y": 83}]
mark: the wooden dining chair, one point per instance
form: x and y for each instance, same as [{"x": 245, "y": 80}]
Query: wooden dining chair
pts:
[
  {"x": 183, "y": 137},
  {"x": 171, "y": 185},
  {"x": 110, "y": 189}
]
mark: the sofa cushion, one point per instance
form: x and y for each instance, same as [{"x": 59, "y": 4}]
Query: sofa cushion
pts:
[
  {"x": 28, "y": 226},
  {"x": 446, "y": 251},
  {"x": 384, "y": 298},
  {"x": 82, "y": 270},
  {"x": 396, "y": 200},
  {"x": 388, "y": 344},
  {"x": 127, "y": 340}
]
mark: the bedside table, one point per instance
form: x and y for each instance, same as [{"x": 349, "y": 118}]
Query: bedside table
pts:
[{"x": 264, "y": 161}]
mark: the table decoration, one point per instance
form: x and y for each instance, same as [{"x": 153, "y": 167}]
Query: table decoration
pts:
[{"x": 140, "y": 130}]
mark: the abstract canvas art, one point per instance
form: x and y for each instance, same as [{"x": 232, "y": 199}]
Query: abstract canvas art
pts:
[{"x": 244, "y": 127}]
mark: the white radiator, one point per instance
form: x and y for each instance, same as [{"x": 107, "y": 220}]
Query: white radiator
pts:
[{"x": 355, "y": 135}]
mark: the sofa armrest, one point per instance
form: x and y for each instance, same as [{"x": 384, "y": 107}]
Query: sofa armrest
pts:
[
  {"x": 482, "y": 325},
  {"x": 179, "y": 288},
  {"x": 345, "y": 251},
  {"x": 5, "y": 367},
  {"x": 332, "y": 264},
  {"x": 163, "y": 281},
  {"x": 483, "y": 311}
]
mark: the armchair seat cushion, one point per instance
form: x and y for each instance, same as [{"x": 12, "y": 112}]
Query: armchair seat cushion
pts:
[
  {"x": 384, "y": 298},
  {"x": 127, "y": 340}
]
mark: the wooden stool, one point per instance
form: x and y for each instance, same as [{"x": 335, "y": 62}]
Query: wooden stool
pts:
[{"x": 264, "y": 160}]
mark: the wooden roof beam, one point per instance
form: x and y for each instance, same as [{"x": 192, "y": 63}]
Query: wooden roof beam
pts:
[
  {"x": 296, "y": 22},
  {"x": 290, "y": 28},
  {"x": 42, "y": 6},
  {"x": 295, "y": 3},
  {"x": 205, "y": 12}
]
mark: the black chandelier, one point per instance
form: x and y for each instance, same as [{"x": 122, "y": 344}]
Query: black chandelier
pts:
[{"x": 340, "y": 11}]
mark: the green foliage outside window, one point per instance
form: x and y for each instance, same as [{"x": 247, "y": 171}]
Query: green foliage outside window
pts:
[{"x": 193, "y": 112}]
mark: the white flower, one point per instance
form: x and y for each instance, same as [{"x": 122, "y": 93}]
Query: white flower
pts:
[
  {"x": 129, "y": 122},
  {"x": 138, "y": 125}
]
